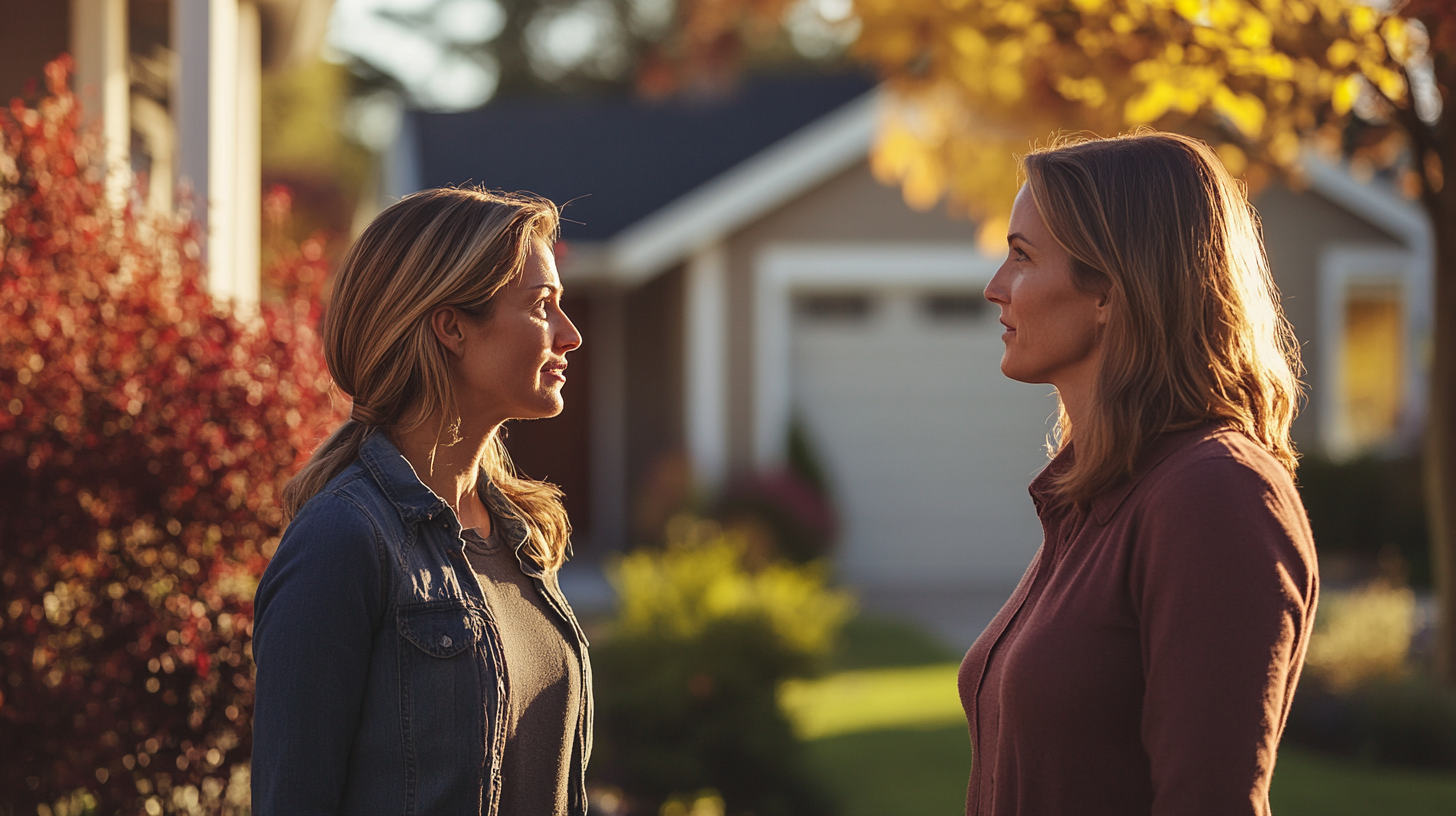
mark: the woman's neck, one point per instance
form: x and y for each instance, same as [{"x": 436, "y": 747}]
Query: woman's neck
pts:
[{"x": 452, "y": 472}]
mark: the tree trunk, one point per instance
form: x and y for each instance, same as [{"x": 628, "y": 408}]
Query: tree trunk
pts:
[{"x": 1440, "y": 452}]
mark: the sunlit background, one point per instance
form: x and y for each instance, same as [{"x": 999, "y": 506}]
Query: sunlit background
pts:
[{"x": 788, "y": 395}]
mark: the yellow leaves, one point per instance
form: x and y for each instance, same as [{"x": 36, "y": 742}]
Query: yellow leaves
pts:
[
  {"x": 902, "y": 155},
  {"x": 1347, "y": 90},
  {"x": 1245, "y": 110},
  {"x": 1223, "y": 14},
  {"x": 1341, "y": 53},
  {"x": 991, "y": 234},
  {"x": 1189, "y": 9},
  {"x": 1016, "y": 14},
  {"x": 1087, "y": 89},
  {"x": 1390, "y": 82},
  {"x": 1396, "y": 34},
  {"x": 1008, "y": 71},
  {"x": 1233, "y": 158},
  {"x": 1007, "y": 82},
  {"x": 1363, "y": 20},
  {"x": 1150, "y": 105},
  {"x": 1275, "y": 66},
  {"x": 1284, "y": 147},
  {"x": 969, "y": 42},
  {"x": 1256, "y": 32}
]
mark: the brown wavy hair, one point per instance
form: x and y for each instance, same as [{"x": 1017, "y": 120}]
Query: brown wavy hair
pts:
[
  {"x": 444, "y": 247},
  {"x": 1196, "y": 333}
]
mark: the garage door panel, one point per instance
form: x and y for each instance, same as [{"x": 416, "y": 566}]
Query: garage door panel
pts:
[{"x": 929, "y": 448}]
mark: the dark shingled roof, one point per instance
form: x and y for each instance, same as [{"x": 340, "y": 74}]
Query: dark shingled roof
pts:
[{"x": 619, "y": 159}]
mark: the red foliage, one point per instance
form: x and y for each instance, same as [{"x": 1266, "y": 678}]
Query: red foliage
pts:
[{"x": 145, "y": 435}]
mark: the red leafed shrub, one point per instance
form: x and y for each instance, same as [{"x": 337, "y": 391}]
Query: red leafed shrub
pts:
[{"x": 145, "y": 435}]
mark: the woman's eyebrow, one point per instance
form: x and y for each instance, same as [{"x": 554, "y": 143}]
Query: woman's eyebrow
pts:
[{"x": 1016, "y": 236}]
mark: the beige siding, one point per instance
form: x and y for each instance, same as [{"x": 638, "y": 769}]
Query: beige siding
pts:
[
  {"x": 654, "y": 348},
  {"x": 1297, "y": 227}
]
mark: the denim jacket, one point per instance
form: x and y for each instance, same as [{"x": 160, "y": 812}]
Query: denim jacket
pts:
[{"x": 380, "y": 682}]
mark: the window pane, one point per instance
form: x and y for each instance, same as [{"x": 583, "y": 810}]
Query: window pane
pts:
[{"x": 1374, "y": 386}]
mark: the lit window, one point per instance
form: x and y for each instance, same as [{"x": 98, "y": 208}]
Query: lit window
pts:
[{"x": 1374, "y": 364}]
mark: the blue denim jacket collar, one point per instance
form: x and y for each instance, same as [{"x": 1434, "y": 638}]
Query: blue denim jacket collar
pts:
[
  {"x": 397, "y": 478},
  {"x": 416, "y": 502}
]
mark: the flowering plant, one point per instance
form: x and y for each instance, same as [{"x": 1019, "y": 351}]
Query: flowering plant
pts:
[{"x": 146, "y": 432}]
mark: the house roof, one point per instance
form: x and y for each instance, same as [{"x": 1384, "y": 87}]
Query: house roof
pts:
[
  {"x": 651, "y": 184},
  {"x": 619, "y": 160}
]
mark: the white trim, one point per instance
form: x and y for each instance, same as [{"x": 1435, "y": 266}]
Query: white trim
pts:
[
  {"x": 103, "y": 83},
  {"x": 224, "y": 59},
  {"x": 705, "y": 360},
  {"x": 729, "y": 202},
  {"x": 247, "y": 263},
  {"x": 1407, "y": 221},
  {"x": 783, "y": 268}
]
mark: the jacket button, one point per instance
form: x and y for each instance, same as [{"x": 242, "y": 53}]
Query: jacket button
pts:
[{"x": 445, "y": 642}]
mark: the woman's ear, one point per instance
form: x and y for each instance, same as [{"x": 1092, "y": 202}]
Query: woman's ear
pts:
[{"x": 448, "y": 325}]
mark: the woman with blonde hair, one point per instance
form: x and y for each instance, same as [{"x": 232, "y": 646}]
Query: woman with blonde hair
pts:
[
  {"x": 414, "y": 651},
  {"x": 1146, "y": 662}
]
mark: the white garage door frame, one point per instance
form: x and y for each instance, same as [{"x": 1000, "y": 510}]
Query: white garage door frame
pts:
[{"x": 782, "y": 268}]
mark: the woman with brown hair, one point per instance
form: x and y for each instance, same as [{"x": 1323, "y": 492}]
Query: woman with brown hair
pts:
[
  {"x": 414, "y": 651},
  {"x": 1146, "y": 662}
]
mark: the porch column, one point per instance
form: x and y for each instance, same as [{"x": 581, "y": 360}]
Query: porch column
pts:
[
  {"x": 218, "y": 113},
  {"x": 103, "y": 83},
  {"x": 705, "y": 357}
]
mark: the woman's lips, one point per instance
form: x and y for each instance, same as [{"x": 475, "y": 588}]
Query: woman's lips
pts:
[{"x": 554, "y": 372}]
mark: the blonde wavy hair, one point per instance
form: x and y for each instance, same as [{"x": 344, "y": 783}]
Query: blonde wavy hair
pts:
[
  {"x": 444, "y": 247},
  {"x": 1196, "y": 333}
]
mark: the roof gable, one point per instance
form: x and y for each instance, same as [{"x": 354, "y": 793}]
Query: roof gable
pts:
[{"x": 618, "y": 160}]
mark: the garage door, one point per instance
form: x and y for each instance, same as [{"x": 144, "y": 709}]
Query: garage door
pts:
[{"x": 929, "y": 448}]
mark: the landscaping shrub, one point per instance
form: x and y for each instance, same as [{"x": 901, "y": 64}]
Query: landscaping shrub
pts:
[
  {"x": 1361, "y": 636},
  {"x": 146, "y": 433},
  {"x": 687, "y": 679},
  {"x": 1365, "y": 511},
  {"x": 1360, "y": 696}
]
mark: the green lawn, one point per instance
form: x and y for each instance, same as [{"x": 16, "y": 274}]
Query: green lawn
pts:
[{"x": 886, "y": 733}]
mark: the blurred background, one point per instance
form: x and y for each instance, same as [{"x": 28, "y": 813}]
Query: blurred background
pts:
[{"x": 778, "y": 220}]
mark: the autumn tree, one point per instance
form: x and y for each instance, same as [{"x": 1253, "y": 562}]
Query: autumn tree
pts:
[{"x": 976, "y": 81}]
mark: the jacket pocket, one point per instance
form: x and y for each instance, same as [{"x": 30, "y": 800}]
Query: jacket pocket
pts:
[
  {"x": 440, "y": 631},
  {"x": 446, "y": 687}
]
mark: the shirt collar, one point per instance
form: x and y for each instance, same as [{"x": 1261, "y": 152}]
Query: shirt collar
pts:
[
  {"x": 1106, "y": 503},
  {"x": 396, "y": 477}
]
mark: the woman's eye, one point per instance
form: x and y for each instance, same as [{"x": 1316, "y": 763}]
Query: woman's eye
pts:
[{"x": 1017, "y": 254}]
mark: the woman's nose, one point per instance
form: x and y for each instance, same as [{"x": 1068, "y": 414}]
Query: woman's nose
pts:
[
  {"x": 568, "y": 338},
  {"x": 995, "y": 290}
]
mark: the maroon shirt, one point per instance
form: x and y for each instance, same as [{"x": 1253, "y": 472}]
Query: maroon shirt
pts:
[{"x": 1146, "y": 662}]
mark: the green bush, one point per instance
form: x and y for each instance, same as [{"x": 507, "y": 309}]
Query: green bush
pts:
[
  {"x": 1360, "y": 695},
  {"x": 1407, "y": 721},
  {"x": 686, "y": 681},
  {"x": 1366, "y": 510}
]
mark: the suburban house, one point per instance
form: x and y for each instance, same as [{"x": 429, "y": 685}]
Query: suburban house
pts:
[
  {"x": 735, "y": 268},
  {"x": 174, "y": 86}
]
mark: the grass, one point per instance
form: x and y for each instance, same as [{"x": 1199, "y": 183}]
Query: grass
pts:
[{"x": 885, "y": 731}]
